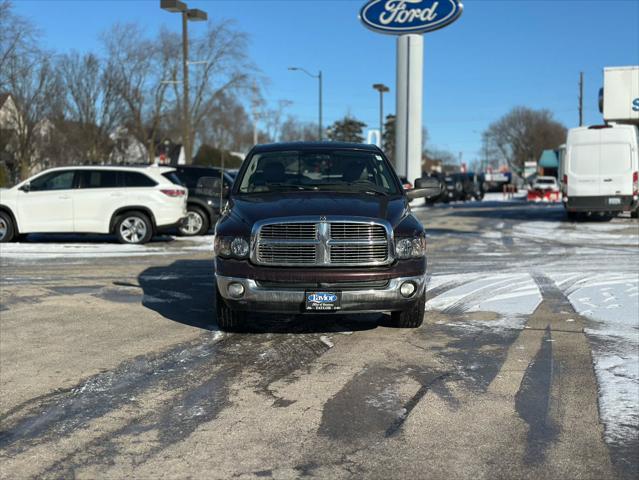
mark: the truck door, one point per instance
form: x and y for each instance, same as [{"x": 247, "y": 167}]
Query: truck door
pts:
[
  {"x": 615, "y": 169},
  {"x": 583, "y": 169}
]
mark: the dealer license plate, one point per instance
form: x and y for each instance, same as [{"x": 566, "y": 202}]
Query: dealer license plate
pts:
[
  {"x": 323, "y": 301},
  {"x": 614, "y": 201}
]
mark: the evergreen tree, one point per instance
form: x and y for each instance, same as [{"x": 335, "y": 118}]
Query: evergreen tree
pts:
[{"x": 349, "y": 129}]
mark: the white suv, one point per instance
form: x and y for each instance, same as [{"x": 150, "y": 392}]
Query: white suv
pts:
[{"x": 133, "y": 203}]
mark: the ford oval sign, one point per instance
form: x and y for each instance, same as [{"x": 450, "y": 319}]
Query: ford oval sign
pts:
[{"x": 398, "y": 17}]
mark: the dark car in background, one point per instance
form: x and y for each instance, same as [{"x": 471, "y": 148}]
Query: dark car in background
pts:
[{"x": 203, "y": 203}]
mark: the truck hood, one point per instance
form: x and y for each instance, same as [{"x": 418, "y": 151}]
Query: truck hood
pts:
[{"x": 252, "y": 208}]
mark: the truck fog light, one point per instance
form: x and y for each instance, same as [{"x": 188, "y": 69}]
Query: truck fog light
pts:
[
  {"x": 236, "y": 290},
  {"x": 407, "y": 289}
]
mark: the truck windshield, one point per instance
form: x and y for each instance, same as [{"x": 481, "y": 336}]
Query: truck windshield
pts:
[{"x": 340, "y": 171}]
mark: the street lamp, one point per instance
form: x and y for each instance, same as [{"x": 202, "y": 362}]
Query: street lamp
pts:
[
  {"x": 381, "y": 88},
  {"x": 193, "y": 15},
  {"x": 319, "y": 77}
]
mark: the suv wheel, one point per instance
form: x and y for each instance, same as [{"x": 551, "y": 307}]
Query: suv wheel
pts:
[
  {"x": 196, "y": 222},
  {"x": 413, "y": 317},
  {"x": 228, "y": 320},
  {"x": 133, "y": 228},
  {"x": 7, "y": 230}
]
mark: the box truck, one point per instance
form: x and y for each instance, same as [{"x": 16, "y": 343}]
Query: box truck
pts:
[
  {"x": 600, "y": 170},
  {"x": 619, "y": 98}
]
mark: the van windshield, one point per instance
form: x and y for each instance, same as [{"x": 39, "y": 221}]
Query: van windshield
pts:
[{"x": 337, "y": 171}]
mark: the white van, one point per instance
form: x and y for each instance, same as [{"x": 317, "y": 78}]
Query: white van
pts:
[{"x": 600, "y": 170}]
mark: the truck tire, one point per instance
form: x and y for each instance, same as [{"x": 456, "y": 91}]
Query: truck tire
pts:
[
  {"x": 228, "y": 320},
  {"x": 197, "y": 222},
  {"x": 7, "y": 229},
  {"x": 413, "y": 317}
]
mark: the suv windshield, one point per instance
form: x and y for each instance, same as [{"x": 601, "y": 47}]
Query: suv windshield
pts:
[{"x": 338, "y": 171}]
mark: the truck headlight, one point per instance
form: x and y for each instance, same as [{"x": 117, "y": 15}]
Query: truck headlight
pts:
[
  {"x": 237, "y": 247},
  {"x": 410, "y": 247}
]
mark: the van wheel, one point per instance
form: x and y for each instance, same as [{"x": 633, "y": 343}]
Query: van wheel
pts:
[
  {"x": 133, "y": 228},
  {"x": 196, "y": 222},
  {"x": 228, "y": 320},
  {"x": 7, "y": 229},
  {"x": 413, "y": 317}
]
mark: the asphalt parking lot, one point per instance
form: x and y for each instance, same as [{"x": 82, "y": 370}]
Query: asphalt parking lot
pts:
[{"x": 527, "y": 364}]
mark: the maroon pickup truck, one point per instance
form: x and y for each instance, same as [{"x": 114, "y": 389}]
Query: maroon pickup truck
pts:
[{"x": 320, "y": 228}]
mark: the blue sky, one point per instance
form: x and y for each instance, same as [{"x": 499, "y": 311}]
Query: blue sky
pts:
[{"x": 499, "y": 54}]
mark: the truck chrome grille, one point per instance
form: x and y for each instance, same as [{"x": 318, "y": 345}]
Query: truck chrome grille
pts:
[
  {"x": 359, "y": 254},
  {"x": 289, "y": 231},
  {"x": 357, "y": 231},
  {"x": 287, "y": 254},
  {"x": 322, "y": 243}
]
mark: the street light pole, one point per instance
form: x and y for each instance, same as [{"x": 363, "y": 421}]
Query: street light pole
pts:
[
  {"x": 381, "y": 88},
  {"x": 320, "y": 130},
  {"x": 186, "y": 122},
  {"x": 193, "y": 14},
  {"x": 320, "y": 79}
]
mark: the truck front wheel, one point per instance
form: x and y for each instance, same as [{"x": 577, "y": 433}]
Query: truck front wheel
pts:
[
  {"x": 228, "y": 320},
  {"x": 413, "y": 317}
]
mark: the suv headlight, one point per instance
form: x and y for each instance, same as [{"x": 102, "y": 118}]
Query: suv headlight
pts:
[
  {"x": 410, "y": 247},
  {"x": 237, "y": 247}
]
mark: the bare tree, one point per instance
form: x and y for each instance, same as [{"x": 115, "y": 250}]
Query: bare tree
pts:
[
  {"x": 91, "y": 107},
  {"x": 522, "y": 134},
  {"x": 294, "y": 130},
  {"x": 18, "y": 38},
  {"x": 140, "y": 69},
  {"x": 31, "y": 81}
]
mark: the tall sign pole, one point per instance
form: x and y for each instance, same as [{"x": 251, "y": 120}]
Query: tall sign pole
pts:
[
  {"x": 408, "y": 141},
  {"x": 409, "y": 19}
]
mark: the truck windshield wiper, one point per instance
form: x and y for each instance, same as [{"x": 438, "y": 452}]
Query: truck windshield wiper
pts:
[
  {"x": 359, "y": 187},
  {"x": 288, "y": 186}
]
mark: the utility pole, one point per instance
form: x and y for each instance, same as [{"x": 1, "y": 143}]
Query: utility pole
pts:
[{"x": 581, "y": 98}]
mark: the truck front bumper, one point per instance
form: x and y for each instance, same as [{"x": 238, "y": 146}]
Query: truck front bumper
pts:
[{"x": 387, "y": 298}]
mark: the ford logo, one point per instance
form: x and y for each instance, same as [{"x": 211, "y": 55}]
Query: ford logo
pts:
[
  {"x": 398, "y": 17},
  {"x": 322, "y": 298}
]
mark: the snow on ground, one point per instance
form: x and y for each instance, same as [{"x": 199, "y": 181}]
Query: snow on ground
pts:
[
  {"x": 104, "y": 248},
  {"x": 611, "y": 303},
  {"x": 579, "y": 233},
  {"x": 506, "y": 294}
]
